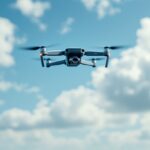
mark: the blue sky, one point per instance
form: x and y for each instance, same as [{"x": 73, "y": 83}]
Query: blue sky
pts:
[{"x": 74, "y": 108}]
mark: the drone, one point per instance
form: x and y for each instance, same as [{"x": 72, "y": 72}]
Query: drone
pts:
[{"x": 73, "y": 56}]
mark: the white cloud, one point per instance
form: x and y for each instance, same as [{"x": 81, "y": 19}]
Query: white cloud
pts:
[
  {"x": 57, "y": 115},
  {"x": 102, "y": 7},
  {"x": 143, "y": 35},
  {"x": 145, "y": 121},
  {"x": 89, "y": 4},
  {"x": 106, "y": 8},
  {"x": 42, "y": 26},
  {"x": 31, "y": 8},
  {"x": 21, "y": 40},
  {"x": 38, "y": 139},
  {"x": 34, "y": 10},
  {"x": 7, "y": 38},
  {"x": 68, "y": 111},
  {"x": 66, "y": 26},
  {"x": 7, "y": 85}
]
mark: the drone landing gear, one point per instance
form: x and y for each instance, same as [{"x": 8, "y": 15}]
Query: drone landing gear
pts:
[
  {"x": 49, "y": 63},
  {"x": 87, "y": 63}
]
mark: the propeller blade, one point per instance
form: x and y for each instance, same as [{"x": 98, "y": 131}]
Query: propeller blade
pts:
[
  {"x": 38, "y": 59},
  {"x": 34, "y": 48},
  {"x": 97, "y": 59},
  {"x": 117, "y": 47}
]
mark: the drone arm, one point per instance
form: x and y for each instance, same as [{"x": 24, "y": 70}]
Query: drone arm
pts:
[
  {"x": 87, "y": 63},
  {"x": 94, "y": 53},
  {"x": 61, "y": 62},
  {"x": 54, "y": 53}
]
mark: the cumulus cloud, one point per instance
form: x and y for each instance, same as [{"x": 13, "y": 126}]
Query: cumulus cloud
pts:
[
  {"x": 58, "y": 115},
  {"x": 7, "y": 38},
  {"x": 126, "y": 84},
  {"x": 45, "y": 139},
  {"x": 103, "y": 7},
  {"x": 36, "y": 138},
  {"x": 68, "y": 111},
  {"x": 34, "y": 10},
  {"x": 67, "y": 25},
  {"x": 89, "y": 4},
  {"x": 7, "y": 85}
]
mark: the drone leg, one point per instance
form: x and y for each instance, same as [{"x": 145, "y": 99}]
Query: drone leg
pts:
[
  {"x": 107, "y": 61},
  {"x": 49, "y": 64},
  {"x": 87, "y": 63}
]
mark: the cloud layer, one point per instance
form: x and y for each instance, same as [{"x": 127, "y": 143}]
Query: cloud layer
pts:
[
  {"x": 117, "y": 107},
  {"x": 7, "y": 38},
  {"x": 67, "y": 25},
  {"x": 126, "y": 84},
  {"x": 34, "y": 10},
  {"x": 102, "y": 7}
]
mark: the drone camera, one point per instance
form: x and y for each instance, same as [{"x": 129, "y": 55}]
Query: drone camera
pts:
[{"x": 82, "y": 50}]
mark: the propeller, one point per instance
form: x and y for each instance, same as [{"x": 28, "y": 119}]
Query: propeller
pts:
[
  {"x": 42, "y": 48},
  {"x": 45, "y": 59},
  {"x": 108, "y": 48},
  {"x": 97, "y": 59},
  {"x": 34, "y": 48},
  {"x": 117, "y": 47}
]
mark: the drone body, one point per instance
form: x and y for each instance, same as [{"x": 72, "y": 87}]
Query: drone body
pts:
[{"x": 73, "y": 56}]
